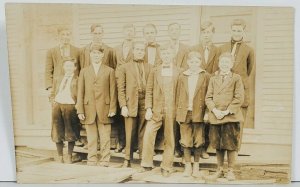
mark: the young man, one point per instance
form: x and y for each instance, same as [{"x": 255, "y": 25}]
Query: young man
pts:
[
  {"x": 97, "y": 104},
  {"x": 55, "y": 56},
  {"x": 123, "y": 55},
  {"x": 65, "y": 123},
  {"x": 160, "y": 105},
  {"x": 132, "y": 79},
  {"x": 97, "y": 35},
  {"x": 152, "y": 48},
  {"x": 192, "y": 86},
  {"x": 180, "y": 49},
  {"x": 210, "y": 55},
  {"x": 224, "y": 98},
  {"x": 243, "y": 59}
]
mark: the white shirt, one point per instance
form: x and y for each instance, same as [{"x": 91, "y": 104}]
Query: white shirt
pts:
[
  {"x": 64, "y": 96},
  {"x": 192, "y": 83},
  {"x": 167, "y": 72},
  {"x": 175, "y": 46},
  {"x": 64, "y": 50},
  {"x": 151, "y": 55},
  {"x": 96, "y": 68},
  {"x": 126, "y": 48}
]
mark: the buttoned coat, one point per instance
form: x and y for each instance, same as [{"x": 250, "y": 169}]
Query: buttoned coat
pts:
[
  {"x": 155, "y": 94},
  {"x": 226, "y": 95},
  {"x": 97, "y": 94},
  {"x": 128, "y": 86}
]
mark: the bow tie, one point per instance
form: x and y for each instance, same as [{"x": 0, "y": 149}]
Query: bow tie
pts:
[
  {"x": 166, "y": 66},
  {"x": 138, "y": 60}
]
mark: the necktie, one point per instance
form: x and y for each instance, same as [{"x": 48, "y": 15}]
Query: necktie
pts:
[
  {"x": 206, "y": 52},
  {"x": 64, "y": 84},
  {"x": 153, "y": 44}
]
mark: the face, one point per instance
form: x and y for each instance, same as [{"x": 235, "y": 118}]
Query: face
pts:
[
  {"x": 225, "y": 64},
  {"x": 129, "y": 33},
  {"x": 167, "y": 56},
  {"x": 65, "y": 37},
  {"x": 69, "y": 67},
  {"x": 174, "y": 31},
  {"x": 150, "y": 34},
  {"x": 207, "y": 34},
  {"x": 97, "y": 34},
  {"x": 194, "y": 63},
  {"x": 96, "y": 56},
  {"x": 237, "y": 32},
  {"x": 139, "y": 51}
]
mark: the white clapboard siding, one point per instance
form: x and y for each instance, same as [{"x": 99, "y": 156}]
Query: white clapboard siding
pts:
[
  {"x": 16, "y": 68},
  {"x": 275, "y": 70},
  {"x": 113, "y": 18}
]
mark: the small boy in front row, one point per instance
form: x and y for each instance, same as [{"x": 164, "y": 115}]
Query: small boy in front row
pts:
[
  {"x": 191, "y": 90},
  {"x": 65, "y": 123},
  {"x": 224, "y": 97}
]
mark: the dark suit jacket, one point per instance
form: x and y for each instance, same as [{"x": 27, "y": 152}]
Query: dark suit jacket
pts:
[
  {"x": 56, "y": 85},
  {"x": 128, "y": 86},
  {"x": 97, "y": 94},
  {"x": 154, "y": 91},
  {"x": 198, "y": 100},
  {"x": 212, "y": 62},
  {"x": 227, "y": 95},
  {"x": 108, "y": 59},
  {"x": 244, "y": 63},
  {"x": 54, "y": 64}
]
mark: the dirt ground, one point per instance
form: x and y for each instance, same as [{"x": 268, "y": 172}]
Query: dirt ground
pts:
[{"x": 32, "y": 162}]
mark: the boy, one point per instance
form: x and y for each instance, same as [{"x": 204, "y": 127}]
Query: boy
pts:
[
  {"x": 160, "y": 105},
  {"x": 192, "y": 85},
  {"x": 243, "y": 60},
  {"x": 225, "y": 95},
  {"x": 97, "y": 33},
  {"x": 123, "y": 54},
  {"x": 132, "y": 79},
  {"x": 210, "y": 56},
  {"x": 97, "y": 104},
  {"x": 65, "y": 124}
]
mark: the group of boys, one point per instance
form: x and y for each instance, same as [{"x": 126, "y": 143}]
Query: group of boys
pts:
[{"x": 199, "y": 95}]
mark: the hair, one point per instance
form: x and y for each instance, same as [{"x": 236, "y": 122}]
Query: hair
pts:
[
  {"x": 226, "y": 55},
  {"x": 97, "y": 47},
  {"x": 239, "y": 22},
  {"x": 150, "y": 25},
  {"x": 128, "y": 25},
  {"x": 63, "y": 28},
  {"x": 94, "y": 26},
  {"x": 207, "y": 24},
  {"x": 174, "y": 23},
  {"x": 194, "y": 54},
  {"x": 69, "y": 59}
]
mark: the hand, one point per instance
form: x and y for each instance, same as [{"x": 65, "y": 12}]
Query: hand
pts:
[
  {"x": 124, "y": 111},
  {"x": 219, "y": 115},
  {"x": 81, "y": 116},
  {"x": 149, "y": 114},
  {"x": 112, "y": 114},
  {"x": 205, "y": 118},
  {"x": 225, "y": 112}
]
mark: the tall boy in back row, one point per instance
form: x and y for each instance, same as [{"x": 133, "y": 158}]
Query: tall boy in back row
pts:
[{"x": 243, "y": 59}]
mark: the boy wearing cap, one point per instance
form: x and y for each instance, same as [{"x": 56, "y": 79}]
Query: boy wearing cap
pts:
[
  {"x": 65, "y": 123},
  {"x": 97, "y": 33},
  {"x": 132, "y": 79},
  {"x": 96, "y": 105},
  {"x": 160, "y": 105},
  {"x": 225, "y": 95},
  {"x": 192, "y": 86}
]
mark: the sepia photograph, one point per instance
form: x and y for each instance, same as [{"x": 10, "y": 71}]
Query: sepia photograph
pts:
[{"x": 151, "y": 93}]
